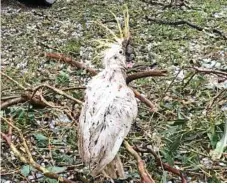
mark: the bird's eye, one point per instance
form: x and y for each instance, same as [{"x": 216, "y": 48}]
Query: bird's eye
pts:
[
  {"x": 121, "y": 52},
  {"x": 115, "y": 57}
]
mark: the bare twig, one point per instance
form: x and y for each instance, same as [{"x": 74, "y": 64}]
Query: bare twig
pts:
[
  {"x": 14, "y": 81},
  {"x": 145, "y": 100},
  {"x": 59, "y": 92},
  {"x": 145, "y": 176},
  {"x": 26, "y": 96},
  {"x": 72, "y": 62},
  {"x": 159, "y": 162},
  {"x": 35, "y": 99},
  {"x": 29, "y": 160},
  {"x": 209, "y": 71},
  {"x": 143, "y": 74},
  {"x": 72, "y": 88},
  {"x": 184, "y": 22},
  {"x": 4, "y": 98},
  {"x": 214, "y": 99},
  {"x": 12, "y": 102},
  {"x": 189, "y": 80},
  {"x": 171, "y": 83},
  {"x": 153, "y": 2}
]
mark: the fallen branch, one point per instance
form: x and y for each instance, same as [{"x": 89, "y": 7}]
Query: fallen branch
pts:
[
  {"x": 145, "y": 100},
  {"x": 144, "y": 74},
  {"x": 153, "y": 2},
  {"x": 12, "y": 102},
  {"x": 37, "y": 99},
  {"x": 57, "y": 91},
  {"x": 165, "y": 166},
  {"x": 4, "y": 98},
  {"x": 73, "y": 88},
  {"x": 209, "y": 71},
  {"x": 184, "y": 22},
  {"x": 29, "y": 159},
  {"x": 145, "y": 176},
  {"x": 214, "y": 99},
  {"x": 72, "y": 62},
  {"x": 11, "y": 79},
  {"x": 26, "y": 96}
]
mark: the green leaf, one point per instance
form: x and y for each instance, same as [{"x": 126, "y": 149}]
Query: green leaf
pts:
[
  {"x": 176, "y": 143},
  {"x": 50, "y": 180},
  {"x": 62, "y": 78},
  {"x": 213, "y": 139},
  {"x": 179, "y": 122},
  {"x": 21, "y": 115},
  {"x": 164, "y": 177},
  {"x": 40, "y": 137},
  {"x": 167, "y": 156},
  {"x": 25, "y": 170},
  {"x": 56, "y": 169}
]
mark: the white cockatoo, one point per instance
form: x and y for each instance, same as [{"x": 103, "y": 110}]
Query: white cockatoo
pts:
[{"x": 109, "y": 110}]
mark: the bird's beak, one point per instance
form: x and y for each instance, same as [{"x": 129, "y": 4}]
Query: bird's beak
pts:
[
  {"x": 129, "y": 52},
  {"x": 129, "y": 64}
]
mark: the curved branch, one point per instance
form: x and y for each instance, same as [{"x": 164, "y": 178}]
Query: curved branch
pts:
[
  {"x": 57, "y": 91},
  {"x": 165, "y": 166},
  {"x": 184, "y": 22},
  {"x": 151, "y": 73},
  {"x": 145, "y": 100},
  {"x": 12, "y": 102},
  {"x": 72, "y": 62},
  {"x": 209, "y": 71},
  {"x": 145, "y": 176},
  {"x": 14, "y": 81}
]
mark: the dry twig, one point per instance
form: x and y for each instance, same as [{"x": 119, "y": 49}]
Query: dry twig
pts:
[
  {"x": 143, "y": 74},
  {"x": 215, "y": 98},
  {"x": 145, "y": 176},
  {"x": 26, "y": 96},
  {"x": 14, "y": 81},
  {"x": 184, "y": 22},
  {"x": 12, "y": 102},
  {"x": 165, "y": 166},
  {"x": 209, "y": 71},
  {"x": 70, "y": 61},
  {"x": 145, "y": 100},
  {"x": 57, "y": 91}
]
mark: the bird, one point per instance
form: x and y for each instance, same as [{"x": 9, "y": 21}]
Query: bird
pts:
[{"x": 107, "y": 114}]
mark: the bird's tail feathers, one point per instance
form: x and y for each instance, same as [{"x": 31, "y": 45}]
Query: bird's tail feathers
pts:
[{"x": 115, "y": 168}]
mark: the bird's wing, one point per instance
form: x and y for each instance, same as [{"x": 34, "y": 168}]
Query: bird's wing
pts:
[
  {"x": 105, "y": 120},
  {"x": 98, "y": 95},
  {"x": 108, "y": 137}
]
